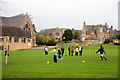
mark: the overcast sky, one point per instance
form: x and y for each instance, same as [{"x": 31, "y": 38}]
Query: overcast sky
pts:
[{"x": 64, "y": 13}]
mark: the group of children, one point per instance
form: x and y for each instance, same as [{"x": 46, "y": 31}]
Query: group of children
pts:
[{"x": 71, "y": 50}]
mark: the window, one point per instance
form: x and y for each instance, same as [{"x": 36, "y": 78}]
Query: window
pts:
[
  {"x": 9, "y": 39},
  {"x": 104, "y": 35},
  {"x": 16, "y": 39},
  {"x": 1, "y": 39},
  {"x": 26, "y": 26},
  {"x": 99, "y": 37},
  {"x": 26, "y": 31},
  {"x": 28, "y": 39},
  {"x": 23, "y": 40},
  {"x": 1, "y": 47},
  {"x": 57, "y": 33}
]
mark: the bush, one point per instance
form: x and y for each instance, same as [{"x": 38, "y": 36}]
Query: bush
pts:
[
  {"x": 77, "y": 41},
  {"x": 107, "y": 41},
  {"x": 40, "y": 39},
  {"x": 50, "y": 41}
]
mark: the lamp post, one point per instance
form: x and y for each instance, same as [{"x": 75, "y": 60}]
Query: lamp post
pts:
[{"x": 7, "y": 49}]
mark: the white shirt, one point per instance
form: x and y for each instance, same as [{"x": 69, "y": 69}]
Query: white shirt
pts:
[
  {"x": 76, "y": 49},
  {"x": 55, "y": 52},
  {"x": 46, "y": 49},
  {"x": 80, "y": 48}
]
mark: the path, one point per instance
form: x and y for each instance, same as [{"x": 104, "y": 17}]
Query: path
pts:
[{"x": 43, "y": 47}]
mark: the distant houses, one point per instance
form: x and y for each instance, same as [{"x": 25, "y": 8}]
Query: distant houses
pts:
[
  {"x": 90, "y": 34},
  {"x": 17, "y": 32},
  {"x": 56, "y": 32}
]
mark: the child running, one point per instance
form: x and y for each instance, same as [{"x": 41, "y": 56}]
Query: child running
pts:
[
  {"x": 55, "y": 55},
  {"x": 101, "y": 52}
]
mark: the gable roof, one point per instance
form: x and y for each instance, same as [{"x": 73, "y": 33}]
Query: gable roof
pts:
[
  {"x": 46, "y": 32},
  {"x": 13, "y": 21},
  {"x": 80, "y": 31},
  {"x": 96, "y": 27},
  {"x": 12, "y": 31}
]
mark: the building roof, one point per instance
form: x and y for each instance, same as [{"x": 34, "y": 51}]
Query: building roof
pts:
[
  {"x": 96, "y": 27},
  {"x": 80, "y": 31},
  {"x": 12, "y": 31},
  {"x": 90, "y": 38},
  {"x": 46, "y": 32},
  {"x": 13, "y": 21},
  {"x": 115, "y": 34}
]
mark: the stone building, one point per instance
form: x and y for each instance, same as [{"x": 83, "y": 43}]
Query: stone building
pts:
[
  {"x": 17, "y": 32},
  {"x": 56, "y": 32},
  {"x": 96, "y": 33}
]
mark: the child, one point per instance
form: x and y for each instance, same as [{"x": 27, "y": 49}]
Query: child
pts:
[
  {"x": 72, "y": 49},
  {"x": 55, "y": 55},
  {"x": 76, "y": 51},
  {"x": 46, "y": 50},
  {"x": 101, "y": 52},
  {"x": 80, "y": 50},
  {"x": 59, "y": 54},
  {"x": 69, "y": 50},
  {"x": 6, "y": 52},
  {"x": 62, "y": 49}
]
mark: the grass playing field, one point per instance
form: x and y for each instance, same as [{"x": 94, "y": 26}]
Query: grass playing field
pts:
[{"x": 32, "y": 64}]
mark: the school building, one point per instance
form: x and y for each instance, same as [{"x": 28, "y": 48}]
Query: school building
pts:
[{"x": 17, "y": 32}]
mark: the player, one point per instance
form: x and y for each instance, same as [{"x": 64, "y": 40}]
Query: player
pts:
[
  {"x": 69, "y": 50},
  {"x": 72, "y": 49},
  {"x": 62, "y": 49},
  {"x": 76, "y": 51},
  {"x": 80, "y": 50},
  {"x": 101, "y": 52},
  {"x": 6, "y": 52},
  {"x": 55, "y": 55},
  {"x": 46, "y": 50},
  {"x": 59, "y": 54}
]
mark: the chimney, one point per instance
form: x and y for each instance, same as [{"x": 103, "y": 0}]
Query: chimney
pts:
[
  {"x": 111, "y": 27},
  {"x": 115, "y": 30},
  {"x": 106, "y": 24},
  {"x": 72, "y": 29},
  {"x": 93, "y": 27},
  {"x": 84, "y": 22},
  {"x": 100, "y": 25},
  {"x": 34, "y": 26}
]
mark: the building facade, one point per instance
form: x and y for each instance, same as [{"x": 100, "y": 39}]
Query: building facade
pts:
[
  {"x": 55, "y": 32},
  {"x": 17, "y": 32},
  {"x": 96, "y": 33}
]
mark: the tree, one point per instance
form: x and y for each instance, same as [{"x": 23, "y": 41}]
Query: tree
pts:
[
  {"x": 107, "y": 41},
  {"x": 50, "y": 41},
  {"x": 40, "y": 39},
  {"x": 68, "y": 35},
  {"x": 76, "y": 35}
]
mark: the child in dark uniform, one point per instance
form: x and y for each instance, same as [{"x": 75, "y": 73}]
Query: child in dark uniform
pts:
[
  {"x": 59, "y": 54},
  {"x": 101, "y": 52},
  {"x": 6, "y": 52}
]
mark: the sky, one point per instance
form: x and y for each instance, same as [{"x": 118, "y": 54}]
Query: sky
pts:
[{"x": 64, "y": 13}]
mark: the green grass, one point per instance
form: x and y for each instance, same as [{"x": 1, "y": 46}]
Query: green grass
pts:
[{"x": 32, "y": 64}]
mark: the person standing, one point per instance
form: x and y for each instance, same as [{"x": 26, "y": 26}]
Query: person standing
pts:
[
  {"x": 69, "y": 50},
  {"x": 62, "y": 49},
  {"x": 6, "y": 52},
  {"x": 55, "y": 55},
  {"x": 59, "y": 54},
  {"x": 80, "y": 50},
  {"x": 101, "y": 52},
  {"x": 76, "y": 49},
  {"x": 46, "y": 50},
  {"x": 72, "y": 49}
]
